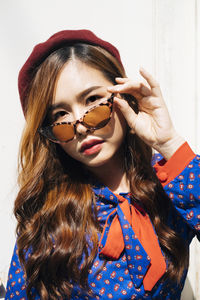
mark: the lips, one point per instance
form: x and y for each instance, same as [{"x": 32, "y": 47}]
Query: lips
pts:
[{"x": 90, "y": 144}]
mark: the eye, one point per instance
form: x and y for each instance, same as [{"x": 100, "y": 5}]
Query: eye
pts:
[
  {"x": 59, "y": 116},
  {"x": 93, "y": 99}
]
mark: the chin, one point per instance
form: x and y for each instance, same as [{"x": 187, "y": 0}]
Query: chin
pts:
[
  {"x": 95, "y": 162},
  {"x": 100, "y": 160}
]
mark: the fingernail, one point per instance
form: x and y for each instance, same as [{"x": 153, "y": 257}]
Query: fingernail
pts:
[
  {"x": 114, "y": 88},
  {"x": 117, "y": 98}
]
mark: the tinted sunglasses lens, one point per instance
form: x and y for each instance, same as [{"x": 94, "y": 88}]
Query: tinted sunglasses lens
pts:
[
  {"x": 63, "y": 132},
  {"x": 98, "y": 117}
]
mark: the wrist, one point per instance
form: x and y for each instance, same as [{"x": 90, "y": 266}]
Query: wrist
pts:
[{"x": 168, "y": 148}]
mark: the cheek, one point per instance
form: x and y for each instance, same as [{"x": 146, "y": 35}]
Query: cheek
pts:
[
  {"x": 116, "y": 127},
  {"x": 121, "y": 124},
  {"x": 70, "y": 148}
]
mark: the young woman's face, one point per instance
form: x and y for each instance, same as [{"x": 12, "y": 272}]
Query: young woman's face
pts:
[{"x": 79, "y": 88}]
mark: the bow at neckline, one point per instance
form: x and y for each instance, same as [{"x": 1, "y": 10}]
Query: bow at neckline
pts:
[{"x": 128, "y": 228}]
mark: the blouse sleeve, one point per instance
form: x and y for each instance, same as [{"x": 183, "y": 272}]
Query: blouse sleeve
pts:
[
  {"x": 16, "y": 288},
  {"x": 180, "y": 177}
]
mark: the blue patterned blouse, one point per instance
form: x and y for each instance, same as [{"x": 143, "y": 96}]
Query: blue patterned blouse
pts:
[{"x": 122, "y": 278}]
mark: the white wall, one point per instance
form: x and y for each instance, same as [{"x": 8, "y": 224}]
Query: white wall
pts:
[{"x": 161, "y": 35}]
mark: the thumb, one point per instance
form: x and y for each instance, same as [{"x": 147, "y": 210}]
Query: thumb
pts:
[{"x": 127, "y": 112}]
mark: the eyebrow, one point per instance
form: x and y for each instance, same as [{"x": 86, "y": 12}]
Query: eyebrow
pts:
[
  {"x": 80, "y": 96},
  {"x": 89, "y": 90}
]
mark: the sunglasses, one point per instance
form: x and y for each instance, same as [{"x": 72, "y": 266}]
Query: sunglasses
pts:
[{"x": 95, "y": 118}]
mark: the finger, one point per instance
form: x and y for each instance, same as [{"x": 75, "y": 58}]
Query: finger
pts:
[
  {"x": 127, "y": 111},
  {"x": 137, "y": 95},
  {"x": 150, "y": 104},
  {"x": 145, "y": 90},
  {"x": 149, "y": 78},
  {"x": 127, "y": 87},
  {"x": 121, "y": 79}
]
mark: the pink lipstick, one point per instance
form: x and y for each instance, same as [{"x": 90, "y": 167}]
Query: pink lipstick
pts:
[{"x": 91, "y": 147}]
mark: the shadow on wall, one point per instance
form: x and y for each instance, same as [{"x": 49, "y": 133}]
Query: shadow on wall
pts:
[
  {"x": 2, "y": 291},
  {"x": 187, "y": 293}
]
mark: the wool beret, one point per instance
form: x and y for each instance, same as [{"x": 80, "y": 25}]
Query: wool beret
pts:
[{"x": 43, "y": 50}]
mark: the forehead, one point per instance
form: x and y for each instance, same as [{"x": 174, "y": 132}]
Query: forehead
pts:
[{"x": 76, "y": 77}]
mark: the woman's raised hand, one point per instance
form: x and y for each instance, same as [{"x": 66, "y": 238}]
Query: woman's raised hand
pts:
[{"x": 153, "y": 123}]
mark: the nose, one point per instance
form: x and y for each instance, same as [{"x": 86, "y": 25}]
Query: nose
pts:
[
  {"x": 78, "y": 114},
  {"x": 81, "y": 129}
]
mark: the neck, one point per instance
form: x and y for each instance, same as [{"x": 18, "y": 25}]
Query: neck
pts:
[{"x": 112, "y": 175}]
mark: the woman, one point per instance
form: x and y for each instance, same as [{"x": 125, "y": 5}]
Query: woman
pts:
[{"x": 94, "y": 221}]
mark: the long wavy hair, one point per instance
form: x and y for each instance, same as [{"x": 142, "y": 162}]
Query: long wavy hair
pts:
[{"x": 55, "y": 207}]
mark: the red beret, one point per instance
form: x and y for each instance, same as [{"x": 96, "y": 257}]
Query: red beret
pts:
[{"x": 43, "y": 50}]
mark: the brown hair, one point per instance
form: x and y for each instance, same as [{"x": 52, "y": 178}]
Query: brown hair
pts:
[{"x": 54, "y": 207}]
